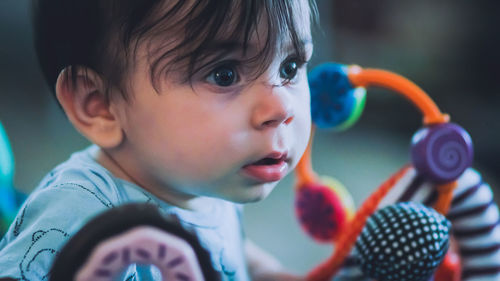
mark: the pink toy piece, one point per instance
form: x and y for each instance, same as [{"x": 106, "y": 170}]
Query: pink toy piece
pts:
[
  {"x": 132, "y": 234},
  {"x": 320, "y": 212},
  {"x": 173, "y": 256}
]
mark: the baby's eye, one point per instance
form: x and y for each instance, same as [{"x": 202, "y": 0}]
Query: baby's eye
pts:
[
  {"x": 289, "y": 68},
  {"x": 223, "y": 76}
]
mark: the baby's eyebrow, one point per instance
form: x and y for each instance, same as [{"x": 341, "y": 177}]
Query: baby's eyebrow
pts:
[
  {"x": 301, "y": 44},
  {"x": 231, "y": 46}
]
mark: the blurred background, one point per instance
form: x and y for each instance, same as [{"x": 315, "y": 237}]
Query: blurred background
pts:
[{"x": 450, "y": 48}]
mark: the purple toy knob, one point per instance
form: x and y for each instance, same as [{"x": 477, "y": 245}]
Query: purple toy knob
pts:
[
  {"x": 403, "y": 242},
  {"x": 441, "y": 153}
]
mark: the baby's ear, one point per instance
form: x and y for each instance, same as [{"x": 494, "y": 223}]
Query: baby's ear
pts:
[{"x": 87, "y": 106}]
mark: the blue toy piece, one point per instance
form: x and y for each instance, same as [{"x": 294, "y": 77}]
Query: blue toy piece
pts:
[
  {"x": 9, "y": 198},
  {"x": 335, "y": 102}
]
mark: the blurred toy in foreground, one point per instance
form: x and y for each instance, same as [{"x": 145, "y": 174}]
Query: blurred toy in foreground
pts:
[
  {"x": 10, "y": 198},
  {"x": 132, "y": 234},
  {"x": 440, "y": 175}
]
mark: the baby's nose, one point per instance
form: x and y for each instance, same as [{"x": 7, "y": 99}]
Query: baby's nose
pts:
[{"x": 272, "y": 108}]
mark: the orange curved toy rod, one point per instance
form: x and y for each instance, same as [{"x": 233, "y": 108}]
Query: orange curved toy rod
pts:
[
  {"x": 304, "y": 171},
  {"x": 445, "y": 195},
  {"x": 365, "y": 77},
  {"x": 346, "y": 240}
]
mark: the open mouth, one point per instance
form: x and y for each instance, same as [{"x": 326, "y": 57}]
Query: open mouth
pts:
[
  {"x": 268, "y": 169},
  {"x": 269, "y": 161}
]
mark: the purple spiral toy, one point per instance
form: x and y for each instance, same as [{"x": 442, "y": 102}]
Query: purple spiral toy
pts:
[{"x": 442, "y": 152}]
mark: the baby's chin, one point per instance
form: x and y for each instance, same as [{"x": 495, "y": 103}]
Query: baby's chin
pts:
[{"x": 251, "y": 194}]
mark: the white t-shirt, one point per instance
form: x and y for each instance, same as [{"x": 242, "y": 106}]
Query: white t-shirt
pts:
[{"x": 79, "y": 189}]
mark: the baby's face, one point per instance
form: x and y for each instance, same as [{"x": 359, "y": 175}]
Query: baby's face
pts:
[{"x": 225, "y": 135}]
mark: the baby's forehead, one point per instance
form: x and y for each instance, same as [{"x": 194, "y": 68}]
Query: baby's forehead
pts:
[{"x": 190, "y": 32}]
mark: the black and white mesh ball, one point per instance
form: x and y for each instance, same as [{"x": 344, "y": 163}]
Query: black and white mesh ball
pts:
[{"x": 405, "y": 242}]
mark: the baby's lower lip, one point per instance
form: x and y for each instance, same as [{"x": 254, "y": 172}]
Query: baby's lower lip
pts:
[{"x": 266, "y": 173}]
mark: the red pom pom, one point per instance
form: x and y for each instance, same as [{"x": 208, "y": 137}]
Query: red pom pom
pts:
[
  {"x": 320, "y": 212},
  {"x": 450, "y": 269}
]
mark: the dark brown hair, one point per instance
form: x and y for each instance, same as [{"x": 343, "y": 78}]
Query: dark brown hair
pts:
[{"x": 104, "y": 35}]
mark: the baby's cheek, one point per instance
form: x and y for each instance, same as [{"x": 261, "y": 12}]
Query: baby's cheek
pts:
[
  {"x": 302, "y": 133},
  {"x": 206, "y": 159}
]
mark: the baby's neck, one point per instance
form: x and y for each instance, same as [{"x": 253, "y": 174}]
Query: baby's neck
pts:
[
  {"x": 107, "y": 162},
  {"x": 185, "y": 201}
]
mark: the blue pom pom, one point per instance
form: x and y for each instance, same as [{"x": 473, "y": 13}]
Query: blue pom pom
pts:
[{"x": 335, "y": 103}]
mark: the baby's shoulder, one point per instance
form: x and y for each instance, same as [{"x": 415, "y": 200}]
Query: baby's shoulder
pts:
[
  {"x": 82, "y": 175},
  {"x": 71, "y": 193}
]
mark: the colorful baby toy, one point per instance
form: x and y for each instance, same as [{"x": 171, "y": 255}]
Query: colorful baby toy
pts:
[
  {"x": 440, "y": 175},
  {"x": 132, "y": 234}
]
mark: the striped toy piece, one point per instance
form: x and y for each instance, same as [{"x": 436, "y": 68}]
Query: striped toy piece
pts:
[{"x": 475, "y": 224}]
